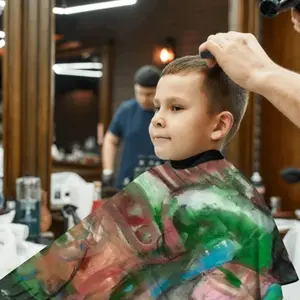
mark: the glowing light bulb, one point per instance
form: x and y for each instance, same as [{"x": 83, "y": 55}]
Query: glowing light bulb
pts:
[{"x": 166, "y": 55}]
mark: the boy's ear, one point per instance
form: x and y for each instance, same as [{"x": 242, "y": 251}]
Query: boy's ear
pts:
[{"x": 223, "y": 124}]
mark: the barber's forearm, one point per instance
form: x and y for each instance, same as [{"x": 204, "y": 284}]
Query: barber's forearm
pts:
[
  {"x": 282, "y": 88},
  {"x": 109, "y": 151}
]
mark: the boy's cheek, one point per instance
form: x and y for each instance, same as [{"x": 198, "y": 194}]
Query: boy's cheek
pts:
[{"x": 150, "y": 131}]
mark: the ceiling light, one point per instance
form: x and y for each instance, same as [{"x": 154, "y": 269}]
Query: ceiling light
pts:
[
  {"x": 79, "y": 73},
  {"x": 92, "y": 7},
  {"x": 81, "y": 65},
  {"x": 167, "y": 55},
  {"x": 2, "y": 34}
]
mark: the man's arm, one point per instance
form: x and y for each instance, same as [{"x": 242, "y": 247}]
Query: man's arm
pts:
[
  {"x": 246, "y": 63},
  {"x": 282, "y": 88},
  {"x": 110, "y": 145},
  {"x": 109, "y": 150}
]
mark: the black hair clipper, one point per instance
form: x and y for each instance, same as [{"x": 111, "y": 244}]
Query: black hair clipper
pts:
[
  {"x": 271, "y": 8},
  {"x": 206, "y": 55}
]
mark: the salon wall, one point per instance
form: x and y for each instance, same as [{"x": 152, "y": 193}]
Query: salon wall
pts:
[
  {"x": 280, "y": 139},
  {"x": 136, "y": 29}
]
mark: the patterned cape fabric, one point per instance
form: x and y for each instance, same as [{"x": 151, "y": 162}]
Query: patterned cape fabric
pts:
[{"x": 197, "y": 233}]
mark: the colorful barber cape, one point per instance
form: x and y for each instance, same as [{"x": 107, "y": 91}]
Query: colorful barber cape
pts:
[{"x": 201, "y": 232}]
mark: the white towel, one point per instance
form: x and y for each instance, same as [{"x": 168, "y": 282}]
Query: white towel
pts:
[
  {"x": 7, "y": 218},
  {"x": 14, "y": 250}
]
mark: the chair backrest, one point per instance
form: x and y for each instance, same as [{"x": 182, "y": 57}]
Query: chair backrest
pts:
[{"x": 292, "y": 244}]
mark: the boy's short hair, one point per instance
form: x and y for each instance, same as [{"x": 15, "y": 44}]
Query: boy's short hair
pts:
[
  {"x": 147, "y": 76},
  {"x": 222, "y": 93}
]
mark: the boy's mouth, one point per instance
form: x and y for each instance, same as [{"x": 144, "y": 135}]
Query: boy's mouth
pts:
[{"x": 161, "y": 138}]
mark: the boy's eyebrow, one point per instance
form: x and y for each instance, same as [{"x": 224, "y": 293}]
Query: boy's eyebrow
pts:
[{"x": 169, "y": 100}]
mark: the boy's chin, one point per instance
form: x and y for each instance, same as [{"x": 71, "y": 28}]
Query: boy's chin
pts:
[
  {"x": 166, "y": 155},
  {"x": 162, "y": 155}
]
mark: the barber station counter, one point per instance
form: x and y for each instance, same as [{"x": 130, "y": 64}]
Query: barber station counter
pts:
[
  {"x": 88, "y": 171},
  {"x": 285, "y": 220}
]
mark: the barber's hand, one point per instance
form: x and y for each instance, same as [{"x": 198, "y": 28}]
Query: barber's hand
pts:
[
  {"x": 296, "y": 19},
  {"x": 240, "y": 56}
]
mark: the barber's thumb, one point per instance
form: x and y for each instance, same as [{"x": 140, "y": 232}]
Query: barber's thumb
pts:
[{"x": 296, "y": 14}]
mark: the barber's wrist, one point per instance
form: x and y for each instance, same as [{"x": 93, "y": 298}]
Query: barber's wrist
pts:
[{"x": 261, "y": 80}]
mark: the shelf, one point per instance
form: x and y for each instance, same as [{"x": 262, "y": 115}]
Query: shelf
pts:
[{"x": 89, "y": 172}]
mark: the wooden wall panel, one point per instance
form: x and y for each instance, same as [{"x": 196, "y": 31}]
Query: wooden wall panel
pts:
[
  {"x": 12, "y": 95},
  {"x": 106, "y": 84},
  {"x": 280, "y": 138},
  {"x": 45, "y": 91},
  {"x": 28, "y": 91}
]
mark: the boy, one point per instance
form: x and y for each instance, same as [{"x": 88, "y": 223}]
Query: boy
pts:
[
  {"x": 192, "y": 228},
  {"x": 198, "y": 110}
]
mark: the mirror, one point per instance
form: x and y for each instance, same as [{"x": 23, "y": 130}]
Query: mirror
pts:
[
  {"x": 77, "y": 108},
  {"x": 82, "y": 102}
]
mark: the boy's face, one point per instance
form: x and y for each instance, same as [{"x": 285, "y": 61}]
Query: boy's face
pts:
[{"x": 182, "y": 125}]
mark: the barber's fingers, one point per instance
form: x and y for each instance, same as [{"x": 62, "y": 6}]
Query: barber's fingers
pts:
[
  {"x": 296, "y": 20},
  {"x": 214, "y": 44},
  {"x": 295, "y": 15},
  {"x": 221, "y": 39},
  {"x": 222, "y": 45},
  {"x": 217, "y": 43},
  {"x": 297, "y": 28}
]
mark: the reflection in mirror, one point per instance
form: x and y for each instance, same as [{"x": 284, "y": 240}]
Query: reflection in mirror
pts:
[
  {"x": 76, "y": 113},
  {"x": 82, "y": 75}
]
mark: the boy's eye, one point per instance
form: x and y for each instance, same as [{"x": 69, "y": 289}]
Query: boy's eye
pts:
[
  {"x": 176, "y": 108},
  {"x": 156, "y": 108}
]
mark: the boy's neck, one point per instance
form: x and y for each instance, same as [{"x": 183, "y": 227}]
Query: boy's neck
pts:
[{"x": 197, "y": 159}]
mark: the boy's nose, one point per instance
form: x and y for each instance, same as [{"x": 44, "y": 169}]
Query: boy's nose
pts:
[{"x": 158, "y": 121}]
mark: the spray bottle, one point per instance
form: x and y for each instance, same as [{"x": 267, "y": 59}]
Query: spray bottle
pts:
[{"x": 257, "y": 181}]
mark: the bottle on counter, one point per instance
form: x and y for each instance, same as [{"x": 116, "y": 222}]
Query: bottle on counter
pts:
[
  {"x": 28, "y": 205},
  {"x": 257, "y": 181},
  {"x": 275, "y": 204},
  {"x": 97, "y": 190}
]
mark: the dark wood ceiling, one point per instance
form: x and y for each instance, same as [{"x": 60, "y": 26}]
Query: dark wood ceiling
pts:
[
  {"x": 93, "y": 29},
  {"x": 75, "y": 32}
]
